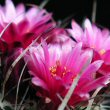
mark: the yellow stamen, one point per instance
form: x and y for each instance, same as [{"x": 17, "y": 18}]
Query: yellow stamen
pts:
[
  {"x": 52, "y": 69},
  {"x": 102, "y": 51}
]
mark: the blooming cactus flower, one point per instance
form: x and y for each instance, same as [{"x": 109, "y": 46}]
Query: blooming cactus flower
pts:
[
  {"x": 95, "y": 38},
  {"x": 54, "y": 67},
  {"x": 25, "y": 27}
]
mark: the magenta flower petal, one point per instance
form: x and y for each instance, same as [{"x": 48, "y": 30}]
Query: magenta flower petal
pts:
[
  {"x": 38, "y": 82},
  {"x": 10, "y": 10},
  {"x": 74, "y": 55},
  {"x": 88, "y": 26},
  {"x": 106, "y": 57},
  {"x": 77, "y": 33},
  {"x": 90, "y": 71},
  {"x": 84, "y": 58},
  {"x": 100, "y": 82},
  {"x": 20, "y": 9}
]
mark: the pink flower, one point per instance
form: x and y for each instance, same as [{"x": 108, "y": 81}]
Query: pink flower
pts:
[
  {"x": 26, "y": 26},
  {"x": 96, "y": 39},
  {"x": 54, "y": 67}
]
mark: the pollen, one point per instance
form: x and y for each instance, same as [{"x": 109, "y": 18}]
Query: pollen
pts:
[
  {"x": 102, "y": 51},
  {"x": 53, "y": 69}
]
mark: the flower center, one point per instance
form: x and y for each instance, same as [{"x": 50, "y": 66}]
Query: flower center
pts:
[
  {"x": 53, "y": 70},
  {"x": 57, "y": 68}
]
